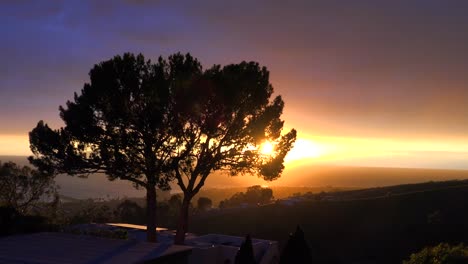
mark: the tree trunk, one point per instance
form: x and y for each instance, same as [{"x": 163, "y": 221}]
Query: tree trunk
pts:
[
  {"x": 182, "y": 225},
  {"x": 151, "y": 213}
]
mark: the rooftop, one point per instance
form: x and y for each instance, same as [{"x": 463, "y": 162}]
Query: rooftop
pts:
[{"x": 69, "y": 248}]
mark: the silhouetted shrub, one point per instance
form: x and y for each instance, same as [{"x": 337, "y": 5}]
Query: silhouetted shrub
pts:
[
  {"x": 440, "y": 254},
  {"x": 13, "y": 222},
  {"x": 245, "y": 254},
  {"x": 296, "y": 250}
]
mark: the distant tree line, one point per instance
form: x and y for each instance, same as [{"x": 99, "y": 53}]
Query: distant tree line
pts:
[{"x": 255, "y": 195}]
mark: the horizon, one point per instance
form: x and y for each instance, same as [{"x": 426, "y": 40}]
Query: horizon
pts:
[
  {"x": 371, "y": 98},
  {"x": 316, "y": 176}
]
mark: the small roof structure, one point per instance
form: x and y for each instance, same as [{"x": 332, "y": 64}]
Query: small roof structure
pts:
[
  {"x": 132, "y": 226},
  {"x": 69, "y": 248}
]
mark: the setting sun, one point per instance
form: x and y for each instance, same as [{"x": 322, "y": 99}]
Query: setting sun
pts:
[{"x": 267, "y": 148}]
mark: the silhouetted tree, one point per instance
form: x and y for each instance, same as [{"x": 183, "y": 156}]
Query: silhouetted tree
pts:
[
  {"x": 204, "y": 203},
  {"x": 119, "y": 125},
  {"x": 129, "y": 212},
  {"x": 147, "y": 123},
  {"x": 245, "y": 255},
  {"x": 222, "y": 118},
  {"x": 23, "y": 188},
  {"x": 296, "y": 249},
  {"x": 175, "y": 201},
  {"x": 254, "y": 195},
  {"x": 258, "y": 195}
]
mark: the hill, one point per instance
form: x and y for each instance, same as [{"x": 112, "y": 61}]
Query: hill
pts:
[{"x": 382, "y": 229}]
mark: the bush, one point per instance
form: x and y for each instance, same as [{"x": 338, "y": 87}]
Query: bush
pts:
[
  {"x": 13, "y": 222},
  {"x": 97, "y": 231},
  {"x": 245, "y": 255},
  {"x": 440, "y": 254},
  {"x": 296, "y": 250}
]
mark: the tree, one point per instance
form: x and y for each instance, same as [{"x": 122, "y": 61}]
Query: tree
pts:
[
  {"x": 175, "y": 202},
  {"x": 245, "y": 255},
  {"x": 119, "y": 125},
  {"x": 258, "y": 195},
  {"x": 222, "y": 118},
  {"x": 149, "y": 123},
  {"x": 296, "y": 250},
  {"x": 23, "y": 188},
  {"x": 129, "y": 212},
  {"x": 204, "y": 203},
  {"x": 254, "y": 195}
]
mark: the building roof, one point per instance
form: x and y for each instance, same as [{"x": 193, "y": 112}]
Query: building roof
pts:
[{"x": 69, "y": 248}]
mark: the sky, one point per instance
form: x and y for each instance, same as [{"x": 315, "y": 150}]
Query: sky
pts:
[{"x": 365, "y": 82}]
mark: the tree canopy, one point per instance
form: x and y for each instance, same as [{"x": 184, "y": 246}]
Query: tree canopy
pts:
[
  {"x": 254, "y": 195},
  {"x": 204, "y": 203},
  {"x": 23, "y": 188},
  {"x": 120, "y": 125},
  {"x": 222, "y": 118},
  {"x": 150, "y": 123}
]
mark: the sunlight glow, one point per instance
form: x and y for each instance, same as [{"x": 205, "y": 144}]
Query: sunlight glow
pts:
[
  {"x": 305, "y": 149},
  {"x": 267, "y": 148},
  {"x": 17, "y": 145}
]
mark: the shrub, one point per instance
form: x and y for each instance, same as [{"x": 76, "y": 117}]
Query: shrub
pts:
[{"x": 440, "y": 254}]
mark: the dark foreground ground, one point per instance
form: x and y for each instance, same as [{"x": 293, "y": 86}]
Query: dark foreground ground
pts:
[{"x": 385, "y": 226}]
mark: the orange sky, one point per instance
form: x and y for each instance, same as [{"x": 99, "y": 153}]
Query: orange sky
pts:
[{"x": 365, "y": 83}]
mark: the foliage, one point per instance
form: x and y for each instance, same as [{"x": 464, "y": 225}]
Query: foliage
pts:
[
  {"x": 149, "y": 122},
  {"x": 222, "y": 116},
  {"x": 120, "y": 125},
  {"x": 245, "y": 255},
  {"x": 130, "y": 212},
  {"x": 204, "y": 203},
  {"x": 13, "y": 222},
  {"x": 255, "y": 195},
  {"x": 25, "y": 189},
  {"x": 440, "y": 254},
  {"x": 117, "y": 125},
  {"x": 296, "y": 250},
  {"x": 280, "y": 192},
  {"x": 86, "y": 211}
]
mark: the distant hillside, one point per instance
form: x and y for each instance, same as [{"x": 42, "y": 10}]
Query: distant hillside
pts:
[
  {"x": 366, "y": 230},
  {"x": 316, "y": 176},
  {"x": 279, "y": 192}
]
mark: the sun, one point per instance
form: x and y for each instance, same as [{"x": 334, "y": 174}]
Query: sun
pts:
[{"x": 267, "y": 148}]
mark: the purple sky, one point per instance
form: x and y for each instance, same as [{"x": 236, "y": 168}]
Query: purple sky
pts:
[{"x": 385, "y": 70}]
